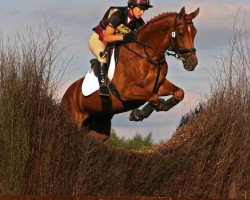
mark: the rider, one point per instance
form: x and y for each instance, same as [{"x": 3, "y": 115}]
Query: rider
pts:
[{"x": 118, "y": 24}]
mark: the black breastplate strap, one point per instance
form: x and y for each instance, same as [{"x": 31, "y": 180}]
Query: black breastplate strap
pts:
[{"x": 156, "y": 87}]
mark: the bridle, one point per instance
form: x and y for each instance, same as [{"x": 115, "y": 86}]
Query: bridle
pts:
[{"x": 177, "y": 51}]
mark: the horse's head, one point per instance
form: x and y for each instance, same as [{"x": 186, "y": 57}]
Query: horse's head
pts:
[{"x": 183, "y": 38}]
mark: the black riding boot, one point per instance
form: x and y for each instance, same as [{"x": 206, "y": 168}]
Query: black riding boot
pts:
[{"x": 104, "y": 89}]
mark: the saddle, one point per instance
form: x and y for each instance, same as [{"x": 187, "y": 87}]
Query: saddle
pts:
[{"x": 94, "y": 66}]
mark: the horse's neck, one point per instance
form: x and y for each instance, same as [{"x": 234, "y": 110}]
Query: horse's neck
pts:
[{"x": 157, "y": 32}]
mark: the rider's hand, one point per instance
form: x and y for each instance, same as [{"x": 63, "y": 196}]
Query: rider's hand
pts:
[{"x": 129, "y": 37}]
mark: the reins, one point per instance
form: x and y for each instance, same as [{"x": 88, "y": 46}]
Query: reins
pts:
[
  {"x": 158, "y": 63},
  {"x": 148, "y": 58}
]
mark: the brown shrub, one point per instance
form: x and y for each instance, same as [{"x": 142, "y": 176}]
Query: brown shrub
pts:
[{"x": 43, "y": 153}]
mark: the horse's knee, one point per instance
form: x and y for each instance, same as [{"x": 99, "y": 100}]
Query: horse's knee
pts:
[
  {"x": 104, "y": 137},
  {"x": 154, "y": 100},
  {"x": 179, "y": 95}
]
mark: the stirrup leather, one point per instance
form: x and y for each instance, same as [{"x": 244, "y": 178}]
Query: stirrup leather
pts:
[{"x": 104, "y": 89}]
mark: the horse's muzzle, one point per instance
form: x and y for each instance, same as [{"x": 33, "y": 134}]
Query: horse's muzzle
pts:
[{"x": 190, "y": 62}]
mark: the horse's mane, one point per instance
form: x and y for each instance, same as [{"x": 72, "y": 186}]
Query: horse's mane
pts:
[{"x": 152, "y": 20}]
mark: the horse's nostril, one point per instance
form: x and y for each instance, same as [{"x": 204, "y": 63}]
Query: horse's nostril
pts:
[{"x": 190, "y": 65}]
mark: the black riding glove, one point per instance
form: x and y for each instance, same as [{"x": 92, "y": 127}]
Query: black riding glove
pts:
[{"x": 129, "y": 37}]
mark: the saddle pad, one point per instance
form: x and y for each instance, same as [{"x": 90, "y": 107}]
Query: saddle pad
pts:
[{"x": 91, "y": 84}]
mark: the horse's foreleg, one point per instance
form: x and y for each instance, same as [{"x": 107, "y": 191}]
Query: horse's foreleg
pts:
[
  {"x": 136, "y": 93},
  {"x": 139, "y": 115},
  {"x": 167, "y": 88}
]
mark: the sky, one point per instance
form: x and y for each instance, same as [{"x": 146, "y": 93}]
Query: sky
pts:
[{"x": 76, "y": 18}]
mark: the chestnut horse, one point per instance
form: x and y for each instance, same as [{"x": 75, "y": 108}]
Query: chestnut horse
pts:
[{"x": 139, "y": 75}]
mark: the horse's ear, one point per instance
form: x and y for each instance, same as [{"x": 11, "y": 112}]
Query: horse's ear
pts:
[
  {"x": 182, "y": 13},
  {"x": 194, "y": 14}
]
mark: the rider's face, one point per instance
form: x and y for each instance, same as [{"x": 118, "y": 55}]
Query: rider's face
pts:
[{"x": 137, "y": 12}]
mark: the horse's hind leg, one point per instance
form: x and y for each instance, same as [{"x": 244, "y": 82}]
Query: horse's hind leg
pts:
[
  {"x": 80, "y": 119},
  {"x": 98, "y": 136},
  {"x": 99, "y": 127}
]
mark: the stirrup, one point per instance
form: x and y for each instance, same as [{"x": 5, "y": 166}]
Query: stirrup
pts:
[{"x": 104, "y": 90}]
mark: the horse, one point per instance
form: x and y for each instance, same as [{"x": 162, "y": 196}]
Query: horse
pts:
[{"x": 140, "y": 75}]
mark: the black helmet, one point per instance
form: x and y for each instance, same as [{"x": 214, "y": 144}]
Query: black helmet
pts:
[{"x": 143, "y": 4}]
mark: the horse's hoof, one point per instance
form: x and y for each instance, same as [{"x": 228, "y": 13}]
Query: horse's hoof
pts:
[{"x": 135, "y": 115}]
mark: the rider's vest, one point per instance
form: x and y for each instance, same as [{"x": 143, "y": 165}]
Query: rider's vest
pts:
[{"x": 119, "y": 19}]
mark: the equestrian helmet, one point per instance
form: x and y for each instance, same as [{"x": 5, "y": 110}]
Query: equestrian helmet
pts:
[{"x": 143, "y": 4}]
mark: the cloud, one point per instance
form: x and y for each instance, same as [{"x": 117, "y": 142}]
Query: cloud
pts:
[{"x": 216, "y": 14}]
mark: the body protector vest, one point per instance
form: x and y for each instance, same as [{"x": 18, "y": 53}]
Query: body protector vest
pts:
[{"x": 119, "y": 18}]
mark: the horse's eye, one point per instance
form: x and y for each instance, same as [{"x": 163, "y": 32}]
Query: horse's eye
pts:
[{"x": 195, "y": 32}]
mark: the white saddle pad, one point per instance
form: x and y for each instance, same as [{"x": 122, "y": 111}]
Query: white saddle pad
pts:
[{"x": 91, "y": 83}]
